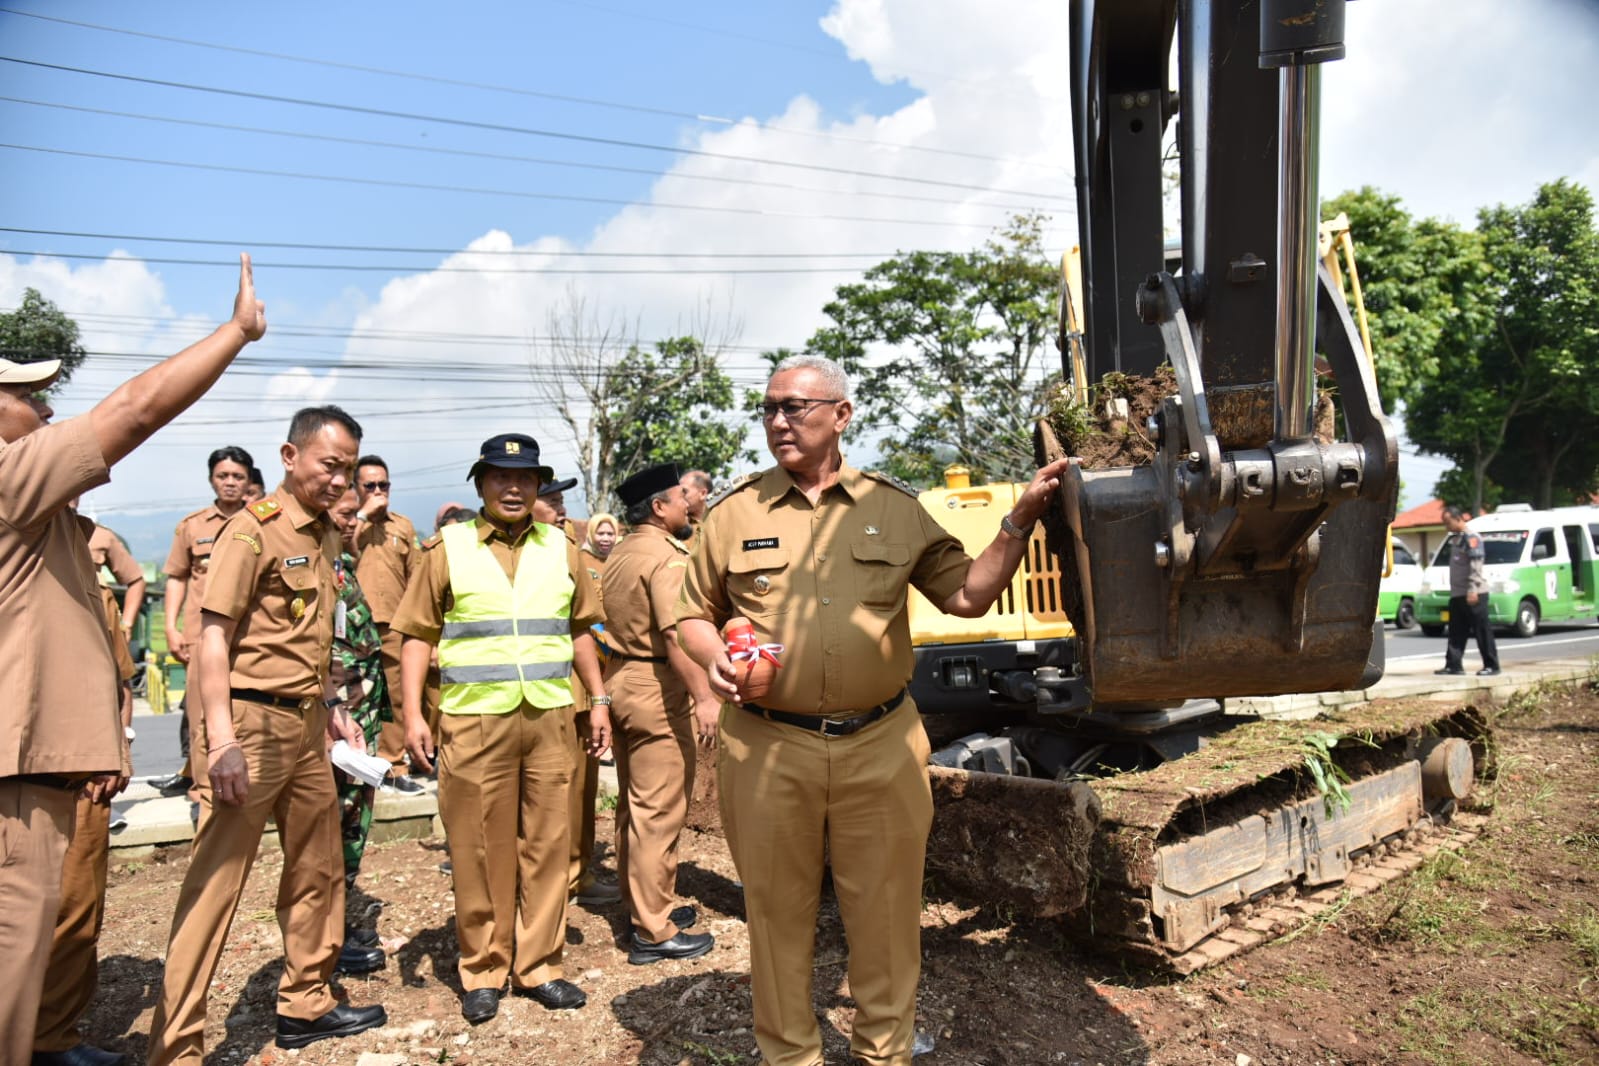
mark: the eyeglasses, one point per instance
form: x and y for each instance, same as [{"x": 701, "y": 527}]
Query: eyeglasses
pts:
[
  {"x": 374, "y": 486},
  {"x": 792, "y": 410}
]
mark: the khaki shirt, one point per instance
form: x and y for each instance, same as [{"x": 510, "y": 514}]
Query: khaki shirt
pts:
[
  {"x": 190, "y": 558},
  {"x": 827, "y": 581},
  {"x": 428, "y": 599},
  {"x": 119, "y": 643},
  {"x": 270, "y": 557},
  {"x": 58, "y": 686},
  {"x": 595, "y": 567},
  {"x": 107, "y": 550},
  {"x": 643, "y": 578},
  {"x": 386, "y": 557}
]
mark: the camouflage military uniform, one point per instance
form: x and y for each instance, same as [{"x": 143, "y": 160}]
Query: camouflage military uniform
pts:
[{"x": 360, "y": 687}]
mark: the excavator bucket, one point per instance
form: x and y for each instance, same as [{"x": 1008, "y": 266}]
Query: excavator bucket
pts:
[{"x": 1236, "y": 564}]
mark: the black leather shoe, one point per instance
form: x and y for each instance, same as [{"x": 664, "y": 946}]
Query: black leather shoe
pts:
[
  {"x": 558, "y": 994},
  {"x": 681, "y": 946},
  {"x": 366, "y": 938},
  {"x": 176, "y": 785},
  {"x": 343, "y": 1020},
  {"x": 403, "y": 783},
  {"x": 82, "y": 1055},
  {"x": 685, "y": 917},
  {"x": 480, "y": 1004},
  {"x": 598, "y": 894},
  {"x": 356, "y": 958},
  {"x": 1488, "y": 671},
  {"x": 1449, "y": 671},
  {"x": 447, "y": 867}
]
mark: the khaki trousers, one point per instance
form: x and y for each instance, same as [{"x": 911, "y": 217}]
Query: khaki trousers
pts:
[
  {"x": 36, "y": 824},
  {"x": 292, "y": 781},
  {"x": 391, "y": 741},
  {"x": 74, "y": 971},
  {"x": 503, "y": 798},
  {"x": 786, "y": 794},
  {"x": 653, "y": 727},
  {"x": 581, "y": 795}
]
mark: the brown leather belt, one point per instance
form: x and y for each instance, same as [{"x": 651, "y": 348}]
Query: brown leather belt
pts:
[
  {"x": 64, "y": 782},
  {"x": 639, "y": 658},
  {"x": 255, "y": 695},
  {"x": 829, "y": 727}
]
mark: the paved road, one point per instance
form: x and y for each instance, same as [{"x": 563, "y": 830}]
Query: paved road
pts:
[{"x": 1578, "y": 641}]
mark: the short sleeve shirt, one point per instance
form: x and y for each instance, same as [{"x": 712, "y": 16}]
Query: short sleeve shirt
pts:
[
  {"x": 273, "y": 572},
  {"x": 643, "y": 578},
  {"x": 826, "y": 581},
  {"x": 190, "y": 558},
  {"x": 58, "y": 686},
  {"x": 428, "y": 598},
  {"x": 107, "y": 550},
  {"x": 387, "y": 551}
]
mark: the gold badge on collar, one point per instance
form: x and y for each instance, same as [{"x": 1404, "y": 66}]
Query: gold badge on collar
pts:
[
  {"x": 871, "y": 531},
  {"x": 763, "y": 584},
  {"x": 297, "y": 608}
]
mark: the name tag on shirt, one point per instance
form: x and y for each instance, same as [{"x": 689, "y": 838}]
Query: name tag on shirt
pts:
[
  {"x": 298, "y": 560},
  {"x": 759, "y": 543},
  {"x": 340, "y": 625}
]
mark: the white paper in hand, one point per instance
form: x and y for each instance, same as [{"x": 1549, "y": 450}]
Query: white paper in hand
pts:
[{"x": 369, "y": 769}]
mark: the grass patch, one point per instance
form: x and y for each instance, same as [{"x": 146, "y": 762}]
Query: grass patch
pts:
[{"x": 1438, "y": 1025}]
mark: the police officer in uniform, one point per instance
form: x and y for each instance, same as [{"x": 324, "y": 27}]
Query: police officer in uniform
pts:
[
  {"x": 58, "y": 687},
  {"x": 502, "y": 599},
  {"x": 228, "y": 470},
  {"x": 266, "y": 640},
  {"x": 386, "y": 549},
  {"x": 832, "y": 761},
  {"x": 1468, "y": 598},
  {"x": 655, "y": 691}
]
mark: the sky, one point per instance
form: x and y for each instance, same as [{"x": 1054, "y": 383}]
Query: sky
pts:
[{"x": 429, "y": 193}]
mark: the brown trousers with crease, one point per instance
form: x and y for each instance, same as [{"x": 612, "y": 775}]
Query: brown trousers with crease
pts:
[
  {"x": 36, "y": 824},
  {"x": 74, "y": 971},
  {"x": 653, "y": 726},
  {"x": 503, "y": 798},
  {"x": 788, "y": 796},
  {"x": 292, "y": 781}
]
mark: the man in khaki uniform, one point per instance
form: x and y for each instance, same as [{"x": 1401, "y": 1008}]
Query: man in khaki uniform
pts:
[
  {"x": 74, "y": 972},
  {"x": 386, "y": 551},
  {"x": 58, "y": 687},
  {"x": 107, "y": 550},
  {"x": 228, "y": 470},
  {"x": 511, "y": 622},
  {"x": 833, "y": 761},
  {"x": 656, "y": 691},
  {"x": 267, "y": 630}
]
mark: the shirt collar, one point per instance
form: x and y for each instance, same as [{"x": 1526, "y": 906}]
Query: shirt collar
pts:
[
  {"x": 295, "y": 510},
  {"x": 777, "y": 483},
  {"x": 488, "y": 528}
]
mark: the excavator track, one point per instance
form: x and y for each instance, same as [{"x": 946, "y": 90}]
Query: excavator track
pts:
[{"x": 1185, "y": 865}]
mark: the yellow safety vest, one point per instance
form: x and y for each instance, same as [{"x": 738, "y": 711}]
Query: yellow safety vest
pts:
[{"x": 506, "y": 642}]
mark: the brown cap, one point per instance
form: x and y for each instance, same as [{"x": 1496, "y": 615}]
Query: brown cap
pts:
[{"x": 40, "y": 374}]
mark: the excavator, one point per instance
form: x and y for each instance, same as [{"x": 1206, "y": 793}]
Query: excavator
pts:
[{"x": 1096, "y": 772}]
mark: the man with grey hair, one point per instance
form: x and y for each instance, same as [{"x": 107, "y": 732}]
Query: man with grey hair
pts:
[
  {"x": 697, "y": 483},
  {"x": 818, "y": 557}
]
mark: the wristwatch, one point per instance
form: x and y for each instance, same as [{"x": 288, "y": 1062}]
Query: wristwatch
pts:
[
  {"x": 1010, "y": 528},
  {"x": 128, "y": 733},
  {"x": 599, "y": 701}
]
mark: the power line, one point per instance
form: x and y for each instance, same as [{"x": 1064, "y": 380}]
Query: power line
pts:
[
  {"x": 497, "y": 127},
  {"x": 534, "y": 93},
  {"x": 518, "y": 193},
  {"x": 467, "y": 153}
]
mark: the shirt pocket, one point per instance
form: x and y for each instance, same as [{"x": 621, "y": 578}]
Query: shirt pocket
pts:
[
  {"x": 299, "y": 583},
  {"x": 882, "y": 573},
  {"x": 761, "y": 582}
]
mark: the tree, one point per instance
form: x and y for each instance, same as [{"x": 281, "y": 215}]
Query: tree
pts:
[
  {"x": 625, "y": 407},
  {"x": 1514, "y": 392},
  {"x": 951, "y": 354},
  {"x": 39, "y": 330}
]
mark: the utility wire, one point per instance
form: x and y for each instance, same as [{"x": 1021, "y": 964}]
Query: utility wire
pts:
[
  {"x": 519, "y": 193},
  {"x": 497, "y": 127},
  {"x": 537, "y": 160},
  {"x": 692, "y": 116}
]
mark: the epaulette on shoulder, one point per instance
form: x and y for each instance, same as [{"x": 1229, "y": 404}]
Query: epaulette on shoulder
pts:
[
  {"x": 890, "y": 479},
  {"x": 746, "y": 480},
  {"x": 195, "y": 514},
  {"x": 433, "y": 542},
  {"x": 265, "y": 510}
]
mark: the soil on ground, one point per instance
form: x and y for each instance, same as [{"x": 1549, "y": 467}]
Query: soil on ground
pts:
[{"x": 1487, "y": 954}]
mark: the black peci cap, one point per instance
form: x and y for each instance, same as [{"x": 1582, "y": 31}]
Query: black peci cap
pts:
[
  {"x": 557, "y": 486},
  {"x": 511, "y": 451},
  {"x": 647, "y": 482}
]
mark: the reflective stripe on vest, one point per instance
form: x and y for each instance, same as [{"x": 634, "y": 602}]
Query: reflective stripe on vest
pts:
[{"x": 505, "y": 642}]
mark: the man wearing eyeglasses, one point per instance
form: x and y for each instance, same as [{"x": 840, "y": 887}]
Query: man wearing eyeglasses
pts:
[
  {"x": 386, "y": 546},
  {"x": 833, "y": 760}
]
